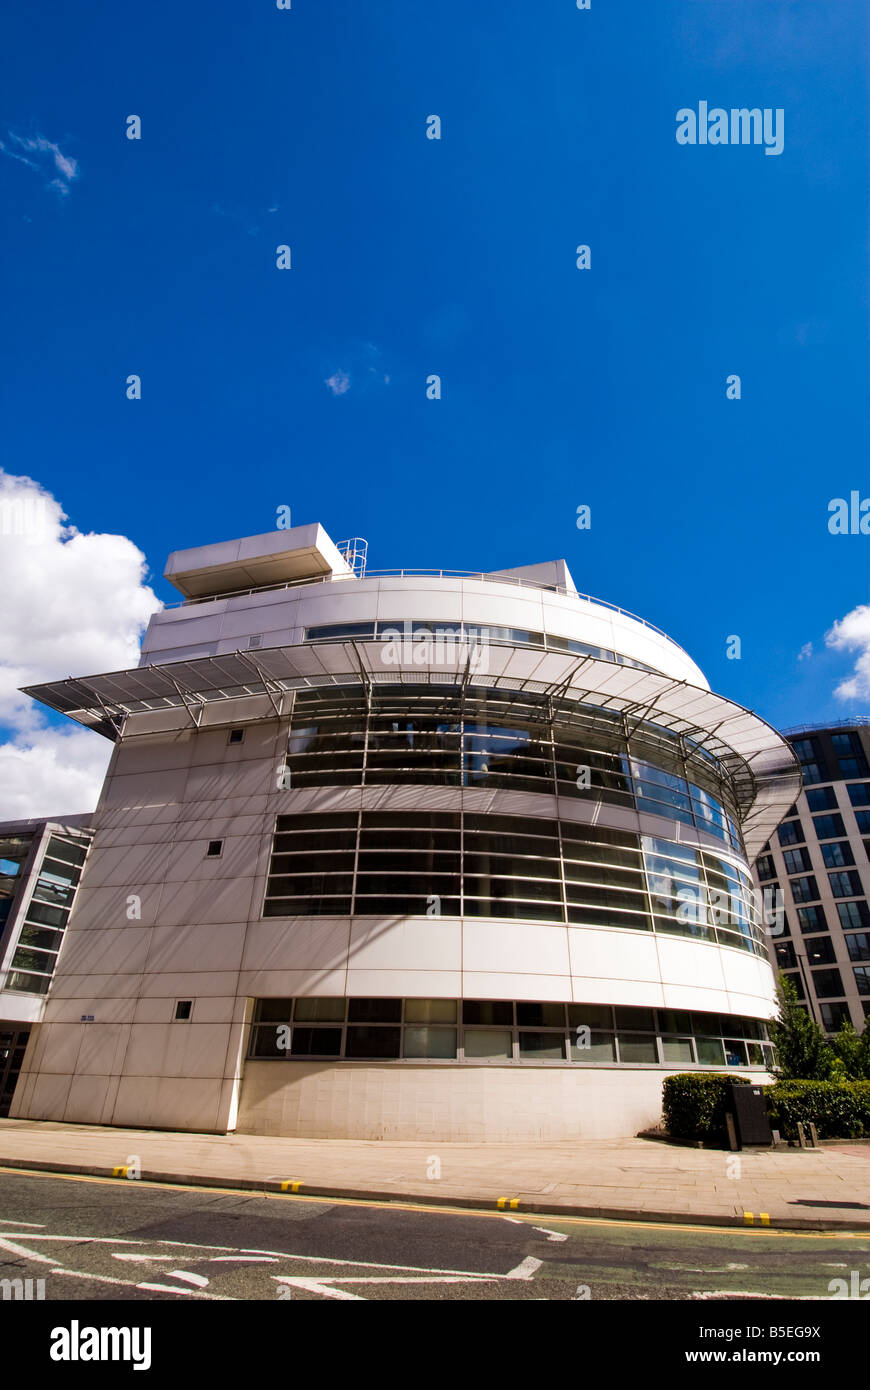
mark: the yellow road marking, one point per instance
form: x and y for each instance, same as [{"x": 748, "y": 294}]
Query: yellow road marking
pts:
[{"x": 388, "y": 1204}]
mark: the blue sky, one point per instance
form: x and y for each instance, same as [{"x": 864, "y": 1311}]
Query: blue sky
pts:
[{"x": 456, "y": 257}]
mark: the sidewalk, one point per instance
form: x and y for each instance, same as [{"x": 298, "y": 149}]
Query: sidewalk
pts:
[{"x": 630, "y": 1178}]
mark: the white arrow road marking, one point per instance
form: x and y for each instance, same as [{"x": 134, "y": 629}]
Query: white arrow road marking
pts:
[
  {"x": 21, "y": 1250},
  {"x": 551, "y": 1235},
  {"x": 525, "y": 1270},
  {"x": 313, "y": 1286}
]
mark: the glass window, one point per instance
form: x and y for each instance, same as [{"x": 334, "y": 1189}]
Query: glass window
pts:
[
  {"x": 315, "y": 1042},
  {"x": 838, "y": 854},
  {"x": 834, "y": 1016},
  {"x": 859, "y": 793},
  {"x": 820, "y": 950},
  {"x": 852, "y": 767},
  {"x": 373, "y": 1041},
  {"x": 430, "y": 1010},
  {"x": 827, "y": 827},
  {"x": 423, "y": 1041},
  {"x": 822, "y": 799},
  {"x": 785, "y": 956},
  {"x": 853, "y": 915},
  {"x": 796, "y": 861},
  {"x": 596, "y": 1047},
  {"x": 812, "y": 773},
  {"x": 804, "y": 889},
  {"x": 635, "y": 1047},
  {"x": 766, "y": 867},
  {"x": 542, "y": 1046},
  {"x": 735, "y": 1053},
  {"x": 676, "y": 1051},
  {"x": 541, "y": 1015},
  {"x": 642, "y": 1019},
  {"x": 846, "y": 884},
  {"x": 374, "y": 1010},
  {"x": 484, "y": 1011},
  {"x": 863, "y": 820},
  {"x": 858, "y": 946},
  {"x": 791, "y": 833},
  {"x": 827, "y": 983},
  {"x": 488, "y": 1042},
  {"x": 805, "y": 749},
  {"x": 812, "y": 919},
  {"x": 710, "y": 1051},
  {"x": 862, "y": 978},
  {"x": 590, "y": 1016},
  {"x": 845, "y": 744},
  {"x": 319, "y": 1010}
]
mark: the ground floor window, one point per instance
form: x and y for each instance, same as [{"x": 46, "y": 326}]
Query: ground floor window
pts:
[{"x": 497, "y": 1030}]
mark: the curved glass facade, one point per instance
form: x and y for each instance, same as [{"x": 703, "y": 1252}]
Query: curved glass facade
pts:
[
  {"x": 456, "y": 634},
  {"x": 516, "y": 740},
  {"x": 437, "y": 863},
  {"x": 496, "y": 1031}
]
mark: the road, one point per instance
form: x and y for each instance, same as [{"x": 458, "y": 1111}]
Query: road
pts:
[{"x": 93, "y": 1239}]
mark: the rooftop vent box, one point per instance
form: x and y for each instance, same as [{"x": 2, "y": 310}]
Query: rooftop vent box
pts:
[{"x": 297, "y": 555}]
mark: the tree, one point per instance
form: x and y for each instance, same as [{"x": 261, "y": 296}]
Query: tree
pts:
[
  {"x": 802, "y": 1054},
  {"x": 851, "y": 1053}
]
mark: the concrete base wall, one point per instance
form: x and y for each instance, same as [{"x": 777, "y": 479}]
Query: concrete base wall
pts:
[{"x": 316, "y": 1100}]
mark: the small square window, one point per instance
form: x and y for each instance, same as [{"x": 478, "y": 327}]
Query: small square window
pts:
[
  {"x": 236, "y": 736},
  {"x": 256, "y": 641},
  {"x": 183, "y": 1009},
  {"x": 215, "y": 849}
]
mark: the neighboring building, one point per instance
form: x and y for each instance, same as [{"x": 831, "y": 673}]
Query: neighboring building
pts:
[
  {"x": 818, "y": 859},
  {"x": 410, "y": 855},
  {"x": 40, "y": 867}
]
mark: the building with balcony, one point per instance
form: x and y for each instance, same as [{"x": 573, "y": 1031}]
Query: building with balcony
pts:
[
  {"x": 407, "y": 855},
  {"x": 818, "y": 862},
  {"x": 40, "y": 868}
]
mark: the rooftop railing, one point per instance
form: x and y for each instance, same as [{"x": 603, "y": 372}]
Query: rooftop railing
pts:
[
  {"x": 858, "y": 720},
  {"x": 516, "y": 580}
]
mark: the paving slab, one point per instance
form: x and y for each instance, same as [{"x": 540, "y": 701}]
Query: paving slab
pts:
[{"x": 636, "y": 1177}]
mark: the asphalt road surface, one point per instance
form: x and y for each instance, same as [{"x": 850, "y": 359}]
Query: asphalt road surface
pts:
[{"x": 102, "y": 1239}]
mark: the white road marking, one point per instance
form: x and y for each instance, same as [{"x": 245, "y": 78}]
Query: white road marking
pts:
[
  {"x": 312, "y": 1286},
  {"x": 198, "y": 1279},
  {"x": 7, "y": 1221},
  {"x": 124, "y": 1284},
  {"x": 551, "y": 1235},
  {"x": 525, "y": 1269},
  {"x": 236, "y": 1259},
  {"x": 166, "y": 1288},
  {"x": 142, "y": 1259},
  {"x": 14, "y": 1249}
]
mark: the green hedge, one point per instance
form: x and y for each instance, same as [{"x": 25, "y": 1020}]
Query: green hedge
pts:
[
  {"x": 695, "y": 1105},
  {"x": 838, "y": 1109}
]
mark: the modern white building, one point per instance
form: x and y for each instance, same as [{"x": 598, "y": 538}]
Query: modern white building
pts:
[{"x": 407, "y": 855}]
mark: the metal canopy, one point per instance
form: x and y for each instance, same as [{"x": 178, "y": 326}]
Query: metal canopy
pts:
[{"x": 765, "y": 773}]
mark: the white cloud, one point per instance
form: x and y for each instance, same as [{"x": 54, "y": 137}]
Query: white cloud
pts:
[
  {"x": 852, "y": 634},
  {"x": 72, "y": 604},
  {"x": 805, "y": 652},
  {"x": 338, "y": 383},
  {"x": 47, "y": 154}
]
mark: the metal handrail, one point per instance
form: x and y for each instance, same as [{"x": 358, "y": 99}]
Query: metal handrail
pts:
[
  {"x": 858, "y": 720},
  {"x": 433, "y": 574}
]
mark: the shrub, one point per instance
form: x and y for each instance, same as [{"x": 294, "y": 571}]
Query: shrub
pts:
[
  {"x": 694, "y": 1105},
  {"x": 839, "y": 1110},
  {"x": 801, "y": 1050}
]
